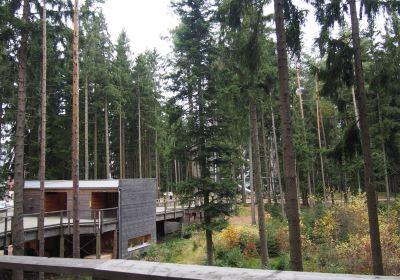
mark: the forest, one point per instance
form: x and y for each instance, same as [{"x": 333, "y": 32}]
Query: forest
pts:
[{"x": 238, "y": 111}]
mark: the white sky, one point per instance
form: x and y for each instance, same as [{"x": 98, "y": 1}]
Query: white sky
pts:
[{"x": 145, "y": 22}]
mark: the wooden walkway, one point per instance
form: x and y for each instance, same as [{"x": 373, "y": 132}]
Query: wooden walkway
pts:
[{"x": 54, "y": 222}]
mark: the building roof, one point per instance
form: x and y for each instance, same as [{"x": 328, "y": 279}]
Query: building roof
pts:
[{"x": 67, "y": 184}]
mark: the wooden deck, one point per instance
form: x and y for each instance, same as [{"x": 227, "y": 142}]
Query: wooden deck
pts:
[{"x": 62, "y": 220}]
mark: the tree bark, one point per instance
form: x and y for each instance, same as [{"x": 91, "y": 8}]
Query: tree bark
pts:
[
  {"x": 120, "y": 145},
  {"x": 95, "y": 154},
  {"x": 107, "y": 139},
  {"x": 209, "y": 240},
  {"x": 123, "y": 151},
  {"x": 157, "y": 162},
  {"x": 139, "y": 138},
  {"x": 175, "y": 171},
  {"x": 319, "y": 138},
  {"x": 242, "y": 169},
  {"x": 86, "y": 127},
  {"x": 385, "y": 168},
  {"x": 75, "y": 136},
  {"x": 376, "y": 251},
  {"x": 287, "y": 137},
  {"x": 278, "y": 167},
  {"x": 1, "y": 125},
  {"x": 300, "y": 93},
  {"x": 251, "y": 173},
  {"x": 258, "y": 184},
  {"x": 266, "y": 160},
  {"x": 19, "y": 180},
  {"x": 42, "y": 167}
]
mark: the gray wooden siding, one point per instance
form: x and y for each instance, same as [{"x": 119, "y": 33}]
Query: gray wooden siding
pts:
[{"x": 137, "y": 211}]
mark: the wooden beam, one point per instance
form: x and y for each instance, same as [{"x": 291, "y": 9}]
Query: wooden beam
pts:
[{"x": 127, "y": 269}]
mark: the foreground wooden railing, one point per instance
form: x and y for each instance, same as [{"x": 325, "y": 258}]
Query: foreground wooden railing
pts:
[{"x": 124, "y": 269}]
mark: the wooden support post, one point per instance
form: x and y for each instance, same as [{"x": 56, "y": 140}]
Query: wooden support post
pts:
[
  {"x": 69, "y": 221},
  {"x": 165, "y": 209},
  {"x": 190, "y": 214},
  {"x": 115, "y": 244},
  {"x": 174, "y": 209},
  {"x": 5, "y": 234},
  {"x": 62, "y": 246},
  {"x": 101, "y": 218},
  {"x": 94, "y": 221},
  {"x": 98, "y": 244}
]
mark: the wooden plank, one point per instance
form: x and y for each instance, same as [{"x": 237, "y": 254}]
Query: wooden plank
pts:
[{"x": 140, "y": 270}]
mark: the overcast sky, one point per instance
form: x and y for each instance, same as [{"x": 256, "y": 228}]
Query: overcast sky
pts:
[{"x": 145, "y": 22}]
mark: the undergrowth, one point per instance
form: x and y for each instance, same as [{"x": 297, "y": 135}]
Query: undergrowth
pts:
[{"x": 334, "y": 239}]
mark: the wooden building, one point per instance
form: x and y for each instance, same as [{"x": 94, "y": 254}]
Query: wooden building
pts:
[{"x": 121, "y": 213}]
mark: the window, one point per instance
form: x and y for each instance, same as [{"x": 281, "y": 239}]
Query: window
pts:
[{"x": 138, "y": 242}]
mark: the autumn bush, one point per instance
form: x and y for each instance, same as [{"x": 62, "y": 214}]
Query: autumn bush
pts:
[
  {"x": 341, "y": 237},
  {"x": 335, "y": 238}
]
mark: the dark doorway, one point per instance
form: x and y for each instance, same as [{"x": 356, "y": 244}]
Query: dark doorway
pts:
[
  {"x": 55, "y": 201},
  {"x": 102, "y": 200}
]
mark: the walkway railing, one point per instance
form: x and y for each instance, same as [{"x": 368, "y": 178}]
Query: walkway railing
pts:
[
  {"x": 95, "y": 218},
  {"x": 125, "y": 269}
]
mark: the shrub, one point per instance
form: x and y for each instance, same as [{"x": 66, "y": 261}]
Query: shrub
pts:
[
  {"x": 188, "y": 230},
  {"x": 309, "y": 216},
  {"x": 232, "y": 257},
  {"x": 281, "y": 263},
  {"x": 355, "y": 254},
  {"x": 231, "y": 236},
  {"x": 276, "y": 211},
  {"x": 165, "y": 252},
  {"x": 273, "y": 249},
  {"x": 282, "y": 238},
  {"x": 247, "y": 237},
  {"x": 326, "y": 229},
  {"x": 352, "y": 217}
]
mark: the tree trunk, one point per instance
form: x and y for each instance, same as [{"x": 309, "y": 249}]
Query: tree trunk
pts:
[
  {"x": 242, "y": 169},
  {"x": 319, "y": 138},
  {"x": 75, "y": 136},
  {"x": 287, "y": 137},
  {"x": 107, "y": 139},
  {"x": 42, "y": 167},
  {"x": 95, "y": 154},
  {"x": 300, "y": 93},
  {"x": 149, "y": 158},
  {"x": 385, "y": 168},
  {"x": 124, "y": 161},
  {"x": 1, "y": 126},
  {"x": 251, "y": 172},
  {"x": 258, "y": 185},
  {"x": 278, "y": 167},
  {"x": 365, "y": 144},
  {"x": 120, "y": 145},
  {"x": 266, "y": 161},
  {"x": 19, "y": 180},
  {"x": 209, "y": 241},
  {"x": 86, "y": 127},
  {"x": 157, "y": 163},
  {"x": 139, "y": 138}
]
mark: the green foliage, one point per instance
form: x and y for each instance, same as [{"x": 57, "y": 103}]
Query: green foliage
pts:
[
  {"x": 231, "y": 258},
  {"x": 280, "y": 263},
  {"x": 188, "y": 230},
  {"x": 165, "y": 252}
]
